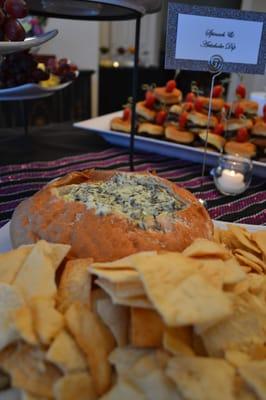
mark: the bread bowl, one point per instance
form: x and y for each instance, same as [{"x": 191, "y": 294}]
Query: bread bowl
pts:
[{"x": 124, "y": 213}]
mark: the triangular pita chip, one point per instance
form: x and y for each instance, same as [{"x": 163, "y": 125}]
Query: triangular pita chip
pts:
[
  {"x": 36, "y": 277},
  {"x": 46, "y": 319},
  {"x": 206, "y": 248},
  {"x": 66, "y": 355},
  {"x": 11, "y": 262},
  {"x": 202, "y": 378},
  {"x": 95, "y": 340},
  {"x": 75, "y": 284},
  {"x": 10, "y": 301},
  {"x": 23, "y": 320}
]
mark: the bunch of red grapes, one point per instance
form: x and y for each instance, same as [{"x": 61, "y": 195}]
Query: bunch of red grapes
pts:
[
  {"x": 63, "y": 68},
  {"x": 10, "y": 28},
  {"x": 20, "y": 68}
]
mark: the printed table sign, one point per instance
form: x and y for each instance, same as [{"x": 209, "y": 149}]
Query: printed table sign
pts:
[{"x": 196, "y": 35}]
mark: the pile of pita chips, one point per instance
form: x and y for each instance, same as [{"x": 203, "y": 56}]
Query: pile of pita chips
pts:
[
  {"x": 151, "y": 326},
  {"x": 40, "y": 355},
  {"x": 208, "y": 313}
]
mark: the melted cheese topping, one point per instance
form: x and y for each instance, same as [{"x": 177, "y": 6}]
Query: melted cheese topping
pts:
[{"x": 144, "y": 200}]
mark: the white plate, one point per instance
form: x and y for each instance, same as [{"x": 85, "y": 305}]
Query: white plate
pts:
[
  {"x": 28, "y": 43},
  {"x": 5, "y": 243},
  {"x": 101, "y": 125},
  {"x": 30, "y": 91}
]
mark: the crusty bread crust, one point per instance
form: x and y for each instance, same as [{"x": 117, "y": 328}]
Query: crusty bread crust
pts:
[{"x": 104, "y": 238}]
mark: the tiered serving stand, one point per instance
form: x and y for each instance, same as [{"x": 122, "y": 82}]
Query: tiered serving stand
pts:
[{"x": 104, "y": 10}]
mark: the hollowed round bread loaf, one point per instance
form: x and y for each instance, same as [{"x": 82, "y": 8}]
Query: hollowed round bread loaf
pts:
[{"x": 109, "y": 215}]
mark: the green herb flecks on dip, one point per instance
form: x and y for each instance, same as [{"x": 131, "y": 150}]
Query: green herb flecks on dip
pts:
[{"x": 143, "y": 199}]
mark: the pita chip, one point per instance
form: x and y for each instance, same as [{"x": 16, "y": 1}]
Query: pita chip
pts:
[
  {"x": 115, "y": 317},
  {"x": 96, "y": 341},
  {"x": 202, "y": 378},
  {"x": 206, "y": 248},
  {"x": 10, "y": 302},
  {"x": 47, "y": 320},
  {"x": 66, "y": 355},
  {"x": 75, "y": 284},
  {"x": 241, "y": 330},
  {"x": 124, "y": 390},
  {"x": 78, "y": 386},
  {"x": 254, "y": 374},
  {"x": 123, "y": 358},
  {"x": 11, "y": 262},
  {"x": 146, "y": 328},
  {"x": 23, "y": 320},
  {"x": 178, "y": 341},
  {"x": 28, "y": 370},
  {"x": 36, "y": 277}
]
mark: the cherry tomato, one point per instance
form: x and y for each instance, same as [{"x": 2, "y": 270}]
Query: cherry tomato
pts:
[
  {"x": 242, "y": 135},
  {"x": 239, "y": 110},
  {"x": 170, "y": 86},
  {"x": 219, "y": 129},
  {"x": 188, "y": 106},
  {"x": 183, "y": 119},
  {"x": 218, "y": 91},
  {"x": 127, "y": 114},
  {"x": 161, "y": 117},
  {"x": 241, "y": 91},
  {"x": 198, "y": 105},
  {"x": 190, "y": 97},
  {"x": 149, "y": 99}
]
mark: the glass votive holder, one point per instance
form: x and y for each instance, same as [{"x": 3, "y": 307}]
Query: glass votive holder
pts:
[{"x": 233, "y": 174}]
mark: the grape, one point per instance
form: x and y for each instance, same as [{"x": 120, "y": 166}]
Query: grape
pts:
[
  {"x": 2, "y": 17},
  {"x": 16, "y": 8},
  {"x": 13, "y": 30}
]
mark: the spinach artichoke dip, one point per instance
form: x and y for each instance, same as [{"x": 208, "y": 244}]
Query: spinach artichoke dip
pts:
[{"x": 144, "y": 200}]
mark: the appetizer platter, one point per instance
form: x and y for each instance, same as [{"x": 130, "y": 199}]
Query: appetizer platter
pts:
[
  {"x": 88, "y": 318},
  {"x": 145, "y": 143},
  {"x": 170, "y": 124}
]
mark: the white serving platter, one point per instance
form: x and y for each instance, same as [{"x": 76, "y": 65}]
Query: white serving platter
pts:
[
  {"x": 28, "y": 43},
  {"x": 101, "y": 125},
  {"x": 5, "y": 242}
]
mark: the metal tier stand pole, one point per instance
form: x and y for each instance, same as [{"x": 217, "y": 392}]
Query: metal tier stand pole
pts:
[
  {"x": 25, "y": 118},
  {"x": 215, "y": 66},
  {"x": 134, "y": 94}
]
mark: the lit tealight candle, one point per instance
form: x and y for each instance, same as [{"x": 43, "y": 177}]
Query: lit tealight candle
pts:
[{"x": 231, "y": 181}]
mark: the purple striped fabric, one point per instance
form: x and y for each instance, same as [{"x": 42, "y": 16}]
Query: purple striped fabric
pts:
[{"x": 18, "y": 182}]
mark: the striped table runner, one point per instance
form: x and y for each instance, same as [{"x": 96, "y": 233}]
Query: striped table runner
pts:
[{"x": 17, "y": 182}]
